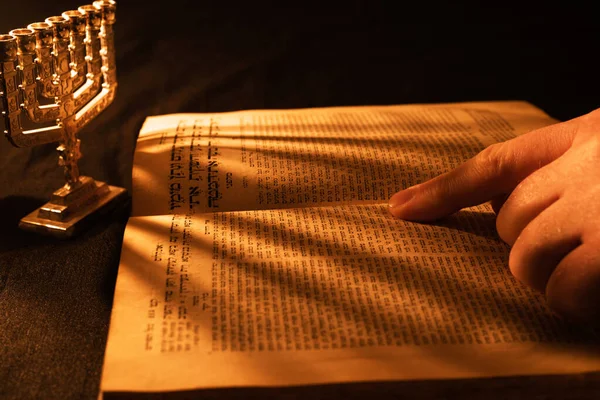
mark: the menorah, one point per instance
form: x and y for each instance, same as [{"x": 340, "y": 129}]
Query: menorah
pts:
[{"x": 57, "y": 76}]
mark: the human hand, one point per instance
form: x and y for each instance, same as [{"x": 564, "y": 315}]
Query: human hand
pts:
[{"x": 545, "y": 189}]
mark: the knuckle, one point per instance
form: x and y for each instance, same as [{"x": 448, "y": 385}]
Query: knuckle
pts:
[
  {"x": 495, "y": 160},
  {"x": 585, "y": 127},
  {"x": 443, "y": 189},
  {"x": 593, "y": 116},
  {"x": 592, "y": 146}
]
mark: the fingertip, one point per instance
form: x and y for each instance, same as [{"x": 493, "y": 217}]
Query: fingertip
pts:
[
  {"x": 497, "y": 203},
  {"x": 399, "y": 202},
  {"x": 572, "y": 289},
  {"x": 414, "y": 204},
  {"x": 417, "y": 203}
]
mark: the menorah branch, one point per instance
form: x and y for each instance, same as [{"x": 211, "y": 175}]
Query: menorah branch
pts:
[{"x": 55, "y": 77}]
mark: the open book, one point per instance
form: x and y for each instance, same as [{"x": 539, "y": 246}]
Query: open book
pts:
[{"x": 261, "y": 252}]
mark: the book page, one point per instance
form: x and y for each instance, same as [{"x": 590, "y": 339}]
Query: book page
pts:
[
  {"x": 296, "y": 158},
  {"x": 328, "y": 291}
]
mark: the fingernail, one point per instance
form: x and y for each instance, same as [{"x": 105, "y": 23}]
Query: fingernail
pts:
[{"x": 400, "y": 199}]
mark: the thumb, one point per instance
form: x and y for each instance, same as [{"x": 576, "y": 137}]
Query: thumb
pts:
[{"x": 493, "y": 172}]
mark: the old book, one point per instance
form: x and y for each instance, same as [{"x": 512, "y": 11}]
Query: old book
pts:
[{"x": 260, "y": 253}]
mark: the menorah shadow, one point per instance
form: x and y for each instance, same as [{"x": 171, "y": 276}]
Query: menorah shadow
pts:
[{"x": 55, "y": 77}]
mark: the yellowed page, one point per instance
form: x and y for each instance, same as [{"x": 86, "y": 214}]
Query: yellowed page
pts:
[
  {"x": 329, "y": 291},
  {"x": 294, "y": 158}
]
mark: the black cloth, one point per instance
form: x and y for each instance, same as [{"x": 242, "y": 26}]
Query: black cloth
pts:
[{"x": 178, "y": 56}]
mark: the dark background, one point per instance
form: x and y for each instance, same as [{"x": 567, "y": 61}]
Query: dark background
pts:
[{"x": 178, "y": 56}]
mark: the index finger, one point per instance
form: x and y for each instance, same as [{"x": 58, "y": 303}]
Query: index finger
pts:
[{"x": 494, "y": 171}]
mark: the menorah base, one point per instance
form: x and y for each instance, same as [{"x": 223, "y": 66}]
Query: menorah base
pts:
[{"x": 70, "y": 209}]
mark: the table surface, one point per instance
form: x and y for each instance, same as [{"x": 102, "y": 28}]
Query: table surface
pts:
[{"x": 55, "y": 296}]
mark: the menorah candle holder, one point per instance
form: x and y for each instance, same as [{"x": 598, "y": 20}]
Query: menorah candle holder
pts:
[{"x": 57, "y": 76}]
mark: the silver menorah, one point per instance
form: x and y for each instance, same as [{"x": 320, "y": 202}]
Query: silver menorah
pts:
[{"x": 56, "y": 76}]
